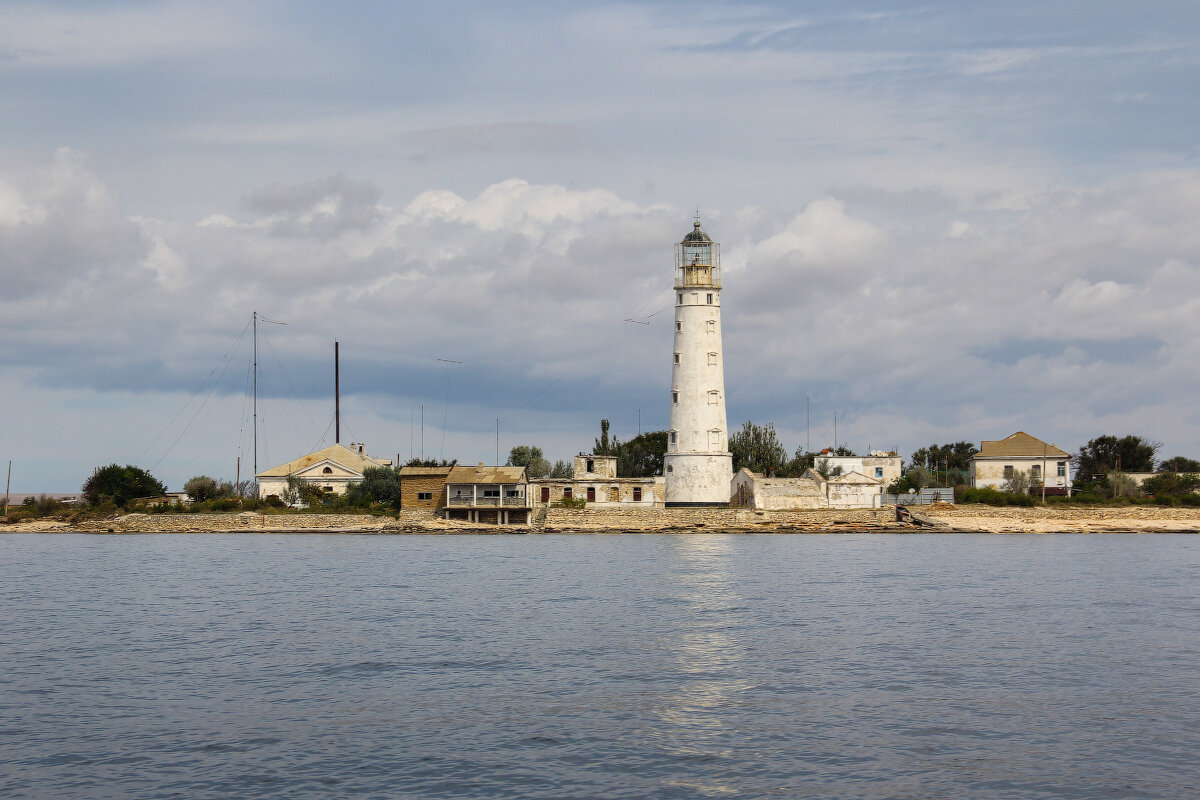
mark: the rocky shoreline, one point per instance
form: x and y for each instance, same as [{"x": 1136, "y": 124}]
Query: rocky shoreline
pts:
[{"x": 930, "y": 519}]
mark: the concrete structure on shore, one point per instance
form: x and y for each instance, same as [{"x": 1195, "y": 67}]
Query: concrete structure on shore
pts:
[
  {"x": 884, "y": 467},
  {"x": 332, "y": 470},
  {"x": 809, "y": 491},
  {"x": 595, "y": 480},
  {"x": 997, "y": 461},
  {"x": 698, "y": 466}
]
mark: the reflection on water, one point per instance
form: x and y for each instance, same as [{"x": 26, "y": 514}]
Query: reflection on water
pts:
[
  {"x": 707, "y": 652},
  {"x": 214, "y": 666}
]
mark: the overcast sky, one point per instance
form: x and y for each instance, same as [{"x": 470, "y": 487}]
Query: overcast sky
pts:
[{"x": 940, "y": 220}]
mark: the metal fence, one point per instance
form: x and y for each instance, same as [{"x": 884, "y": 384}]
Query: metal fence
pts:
[{"x": 925, "y": 497}]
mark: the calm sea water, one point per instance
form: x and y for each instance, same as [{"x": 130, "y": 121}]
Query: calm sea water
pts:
[{"x": 839, "y": 666}]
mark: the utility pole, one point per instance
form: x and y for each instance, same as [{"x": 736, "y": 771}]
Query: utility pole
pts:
[
  {"x": 7, "y": 484},
  {"x": 807, "y": 425},
  {"x": 1043, "y": 473},
  {"x": 497, "y": 441},
  {"x": 422, "y": 431},
  {"x": 835, "y": 439}
]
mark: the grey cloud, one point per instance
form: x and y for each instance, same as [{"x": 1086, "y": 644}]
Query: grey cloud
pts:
[
  {"x": 322, "y": 208},
  {"x": 494, "y": 137}
]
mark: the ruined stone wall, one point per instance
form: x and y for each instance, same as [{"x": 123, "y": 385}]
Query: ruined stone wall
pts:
[{"x": 711, "y": 519}]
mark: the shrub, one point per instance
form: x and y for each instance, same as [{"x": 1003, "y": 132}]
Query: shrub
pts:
[
  {"x": 992, "y": 497},
  {"x": 569, "y": 502},
  {"x": 120, "y": 485}
]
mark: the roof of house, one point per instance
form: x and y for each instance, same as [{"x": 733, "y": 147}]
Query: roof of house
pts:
[
  {"x": 337, "y": 453},
  {"x": 424, "y": 472},
  {"x": 1019, "y": 445},
  {"x": 483, "y": 474}
]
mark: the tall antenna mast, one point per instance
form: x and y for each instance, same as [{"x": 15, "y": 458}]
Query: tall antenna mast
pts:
[
  {"x": 256, "y": 403},
  {"x": 337, "y": 397}
]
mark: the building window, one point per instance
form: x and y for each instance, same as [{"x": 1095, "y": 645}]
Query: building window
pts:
[
  {"x": 712, "y": 359},
  {"x": 1008, "y": 471},
  {"x": 424, "y": 495},
  {"x": 879, "y": 472},
  {"x": 681, "y": 298},
  {"x": 512, "y": 493},
  {"x": 327, "y": 471},
  {"x": 711, "y": 325},
  {"x": 1062, "y": 469},
  {"x": 672, "y": 437},
  {"x": 591, "y": 465},
  {"x": 714, "y": 397},
  {"x": 591, "y": 494},
  {"x": 329, "y": 488},
  {"x": 714, "y": 440},
  {"x": 710, "y": 298},
  {"x": 670, "y": 468},
  {"x": 675, "y": 397},
  {"x": 1036, "y": 469},
  {"x": 637, "y": 494},
  {"x": 491, "y": 492},
  {"x": 678, "y": 327},
  {"x": 567, "y": 493},
  {"x": 677, "y": 358}
]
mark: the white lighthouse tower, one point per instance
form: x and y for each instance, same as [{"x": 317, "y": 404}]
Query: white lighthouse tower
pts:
[{"x": 698, "y": 467}]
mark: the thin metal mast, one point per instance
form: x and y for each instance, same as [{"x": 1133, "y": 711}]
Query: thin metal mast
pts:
[
  {"x": 337, "y": 397},
  {"x": 256, "y": 402}
]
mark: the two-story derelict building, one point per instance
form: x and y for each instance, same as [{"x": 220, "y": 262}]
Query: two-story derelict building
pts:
[
  {"x": 997, "y": 461},
  {"x": 487, "y": 494},
  {"x": 595, "y": 480}
]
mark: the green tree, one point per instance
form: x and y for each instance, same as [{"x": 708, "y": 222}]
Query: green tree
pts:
[
  {"x": 757, "y": 448},
  {"x": 1105, "y": 454},
  {"x": 120, "y": 485},
  {"x": 915, "y": 478},
  {"x": 603, "y": 446},
  {"x": 202, "y": 487},
  {"x": 1172, "y": 484},
  {"x": 301, "y": 490},
  {"x": 1018, "y": 483},
  {"x": 801, "y": 461},
  {"x": 531, "y": 458},
  {"x": 379, "y": 485},
  {"x": 430, "y": 462},
  {"x": 953, "y": 455},
  {"x": 642, "y": 456},
  {"x": 1179, "y": 464},
  {"x": 561, "y": 469}
]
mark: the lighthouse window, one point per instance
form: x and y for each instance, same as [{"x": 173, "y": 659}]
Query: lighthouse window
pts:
[
  {"x": 712, "y": 359},
  {"x": 674, "y": 399},
  {"x": 710, "y": 298},
  {"x": 712, "y": 326},
  {"x": 678, "y": 326},
  {"x": 672, "y": 437},
  {"x": 681, "y": 298},
  {"x": 677, "y": 358},
  {"x": 714, "y": 439},
  {"x": 713, "y": 397}
]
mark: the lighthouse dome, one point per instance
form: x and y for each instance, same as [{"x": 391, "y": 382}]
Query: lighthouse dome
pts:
[{"x": 697, "y": 235}]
